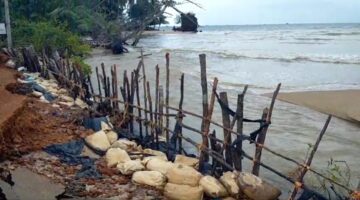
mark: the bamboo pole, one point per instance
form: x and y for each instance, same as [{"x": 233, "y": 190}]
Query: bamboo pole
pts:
[
  {"x": 227, "y": 134},
  {"x": 299, "y": 181},
  {"x": 256, "y": 167},
  {"x": 167, "y": 56}
]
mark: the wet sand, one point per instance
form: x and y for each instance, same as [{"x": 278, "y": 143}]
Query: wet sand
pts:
[{"x": 344, "y": 104}]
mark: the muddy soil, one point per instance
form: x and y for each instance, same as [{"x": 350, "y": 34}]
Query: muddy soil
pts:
[{"x": 36, "y": 125}]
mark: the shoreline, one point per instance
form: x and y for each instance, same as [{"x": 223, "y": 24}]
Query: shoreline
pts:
[{"x": 344, "y": 104}]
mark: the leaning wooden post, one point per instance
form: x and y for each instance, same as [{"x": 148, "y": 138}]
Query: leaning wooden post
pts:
[
  {"x": 145, "y": 96},
  {"x": 259, "y": 142},
  {"x": 256, "y": 165},
  {"x": 226, "y": 124},
  {"x": 167, "y": 56},
  {"x": 180, "y": 114},
  {"x": 299, "y": 181},
  {"x": 98, "y": 81},
  {"x": 205, "y": 104}
]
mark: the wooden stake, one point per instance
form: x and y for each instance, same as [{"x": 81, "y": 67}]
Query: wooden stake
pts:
[
  {"x": 237, "y": 154},
  {"x": 99, "y": 85},
  {"x": 260, "y": 140},
  {"x": 299, "y": 182},
  {"x": 157, "y": 95},
  {"x": 138, "y": 103},
  {"x": 256, "y": 167},
  {"x": 167, "y": 56},
  {"x": 180, "y": 114},
  {"x": 150, "y": 110},
  {"x": 144, "y": 86},
  {"x": 160, "y": 115},
  {"x": 227, "y": 134}
]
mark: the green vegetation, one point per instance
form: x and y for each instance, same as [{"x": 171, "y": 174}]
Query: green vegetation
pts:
[{"x": 60, "y": 24}]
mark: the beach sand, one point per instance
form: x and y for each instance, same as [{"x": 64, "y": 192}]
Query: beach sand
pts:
[{"x": 344, "y": 104}]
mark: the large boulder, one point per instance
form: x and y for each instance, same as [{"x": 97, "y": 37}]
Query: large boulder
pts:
[
  {"x": 150, "y": 178},
  {"x": 257, "y": 189},
  {"x": 183, "y": 175},
  {"x": 159, "y": 165},
  {"x": 228, "y": 179},
  {"x": 189, "y": 161},
  {"x": 183, "y": 192},
  {"x": 116, "y": 155},
  {"x": 98, "y": 141},
  {"x": 212, "y": 187},
  {"x": 130, "y": 166}
]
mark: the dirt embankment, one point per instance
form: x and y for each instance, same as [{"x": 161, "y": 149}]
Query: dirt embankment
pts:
[{"x": 36, "y": 125}]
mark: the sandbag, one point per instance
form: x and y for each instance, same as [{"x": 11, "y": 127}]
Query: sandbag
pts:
[
  {"x": 129, "y": 167},
  {"x": 159, "y": 165},
  {"x": 125, "y": 144},
  {"x": 212, "y": 187},
  {"x": 98, "y": 141},
  {"x": 116, "y": 155},
  {"x": 80, "y": 103},
  {"x": 147, "y": 159},
  {"x": 228, "y": 179},
  {"x": 112, "y": 136},
  {"x": 183, "y": 192},
  {"x": 154, "y": 153},
  {"x": 150, "y": 178},
  {"x": 257, "y": 189},
  {"x": 105, "y": 126},
  {"x": 191, "y": 162},
  {"x": 183, "y": 175}
]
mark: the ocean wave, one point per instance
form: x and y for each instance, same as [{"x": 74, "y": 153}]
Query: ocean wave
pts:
[
  {"x": 341, "y": 33},
  {"x": 286, "y": 58}
]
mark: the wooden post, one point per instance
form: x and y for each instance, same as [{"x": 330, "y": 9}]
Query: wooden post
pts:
[
  {"x": 205, "y": 104},
  {"x": 160, "y": 116},
  {"x": 116, "y": 87},
  {"x": 299, "y": 182},
  {"x": 99, "y": 85},
  {"x": 104, "y": 79},
  {"x": 138, "y": 103},
  {"x": 180, "y": 114},
  {"x": 226, "y": 124},
  {"x": 8, "y": 24},
  {"x": 145, "y": 96},
  {"x": 150, "y": 110},
  {"x": 167, "y": 56},
  {"x": 157, "y": 96},
  {"x": 256, "y": 167},
  {"x": 237, "y": 155}
]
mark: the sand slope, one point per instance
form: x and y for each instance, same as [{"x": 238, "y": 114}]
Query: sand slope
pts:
[{"x": 344, "y": 104}]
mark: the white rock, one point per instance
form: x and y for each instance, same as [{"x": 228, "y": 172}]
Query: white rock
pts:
[
  {"x": 36, "y": 94},
  {"x": 129, "y": 167},
  {"x": 183, "y": 192},
  {"x": 212, "y": 187},
  {"x": 183, "y": 175},
  {"x": 257, "y": 189},
  {"x": 150, "y": 178},
  {"x": 191, "y": 162},
  {"x": 115, "y": 156},
  {"x": 43, "y": 100},
  {"x": 228, "y": 179},
  {"x": 98, "y": 141},
  {"x": 125, "y": 144},
  {"x": 154, "y": 153},
  {"x": 147, "y": 159},
  {"x": 159, "y": 165},
  {"x": 112, "y": 136}
]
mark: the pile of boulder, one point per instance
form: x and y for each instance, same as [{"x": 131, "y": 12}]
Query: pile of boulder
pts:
[{"x": 179, "y": 180}]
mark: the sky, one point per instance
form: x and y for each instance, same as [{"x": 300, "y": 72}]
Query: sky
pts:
[{"x": 240, "y": 12}]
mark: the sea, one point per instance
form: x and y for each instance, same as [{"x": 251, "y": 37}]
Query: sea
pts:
[{"x": 302, "y": 57}]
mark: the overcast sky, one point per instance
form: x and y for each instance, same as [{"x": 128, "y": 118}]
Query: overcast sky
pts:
[{"x": 237, "y": 12}]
